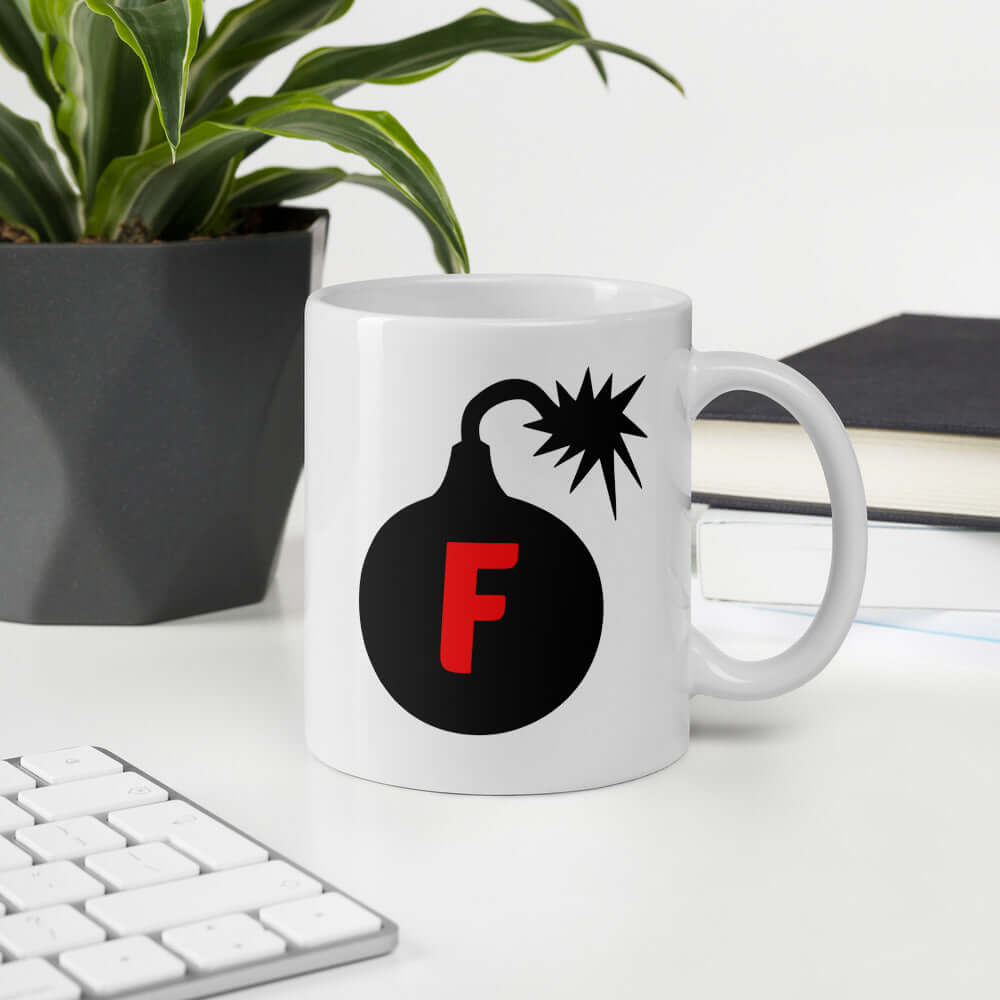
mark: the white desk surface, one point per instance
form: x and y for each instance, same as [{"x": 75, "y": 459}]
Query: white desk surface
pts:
[{"x": 840, "y": 841}]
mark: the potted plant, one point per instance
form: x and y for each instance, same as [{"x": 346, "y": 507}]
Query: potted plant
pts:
[{"x": 151, "y": 294}]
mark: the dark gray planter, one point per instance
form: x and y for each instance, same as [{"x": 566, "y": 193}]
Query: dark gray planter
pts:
[{"x": 150, "y": 422}]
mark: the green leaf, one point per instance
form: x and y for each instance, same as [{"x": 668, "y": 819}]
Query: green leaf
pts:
[
  {"x": 216, "y": 215},
  {"x": 17, "y": 206},
  {"x": 247, "y": 35},
  {"x": 34, "y": 192},
  {"x": 105, "y": 108},
  {"x": 164, "y": 35},
  {"x": 335, "y": 71},
  {"x": 443, "y": 250},
  {"x": 596, "y": 45},
  {"x": 147, "y": 189},
  {"x": 567, "y": 11},
  {"x": 273, "y": 185},
  {"x": 22, "y": 45}
]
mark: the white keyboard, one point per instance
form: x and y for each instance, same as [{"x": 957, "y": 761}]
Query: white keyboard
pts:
[{"x": 113, "y": 885}]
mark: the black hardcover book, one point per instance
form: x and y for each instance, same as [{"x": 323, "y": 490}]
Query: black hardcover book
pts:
[{"x": 920, "y": 396}]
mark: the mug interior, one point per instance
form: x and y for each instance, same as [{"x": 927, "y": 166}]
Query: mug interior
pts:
[{"x": 507, "y": 297}]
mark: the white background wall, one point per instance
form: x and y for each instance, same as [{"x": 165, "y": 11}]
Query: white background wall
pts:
[{"x": 832, "y": 163}]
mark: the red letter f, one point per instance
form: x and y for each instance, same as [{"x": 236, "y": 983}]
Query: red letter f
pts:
[{"x": 463, "y": 607}]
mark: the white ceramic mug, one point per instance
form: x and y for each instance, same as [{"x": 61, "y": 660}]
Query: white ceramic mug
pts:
[{"x": 498, "y": 543}]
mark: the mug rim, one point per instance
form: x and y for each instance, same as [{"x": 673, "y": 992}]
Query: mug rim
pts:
[{"x": 638, "y": 299}]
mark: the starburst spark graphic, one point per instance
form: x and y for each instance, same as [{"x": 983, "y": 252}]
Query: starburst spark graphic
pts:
[{"x": 594, "y": 427}]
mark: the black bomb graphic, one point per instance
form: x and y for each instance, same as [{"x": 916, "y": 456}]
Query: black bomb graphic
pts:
[{"x": 481, "y": 613}]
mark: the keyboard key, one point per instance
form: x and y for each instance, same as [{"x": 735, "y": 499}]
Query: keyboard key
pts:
[
  {"x": 91, "y": 796},
  {"x": 223, "y": 943},
  {"x": 309, "y": 923},
  {"x": 13, "y": 780},
  {"x": 12, "y": 817},
  {"x": 47, "y": 932},
  {"x": 48, "y": 885},
  {"x": 35, "y": 979},
  {"x": 12, "y": 857},
  {"x": 173, "y": 904},
  {"x": 70, "y": 765},
  {"x": 70, "y": 839},
  {"x": 130, "y": 963},
  {"x": 211, "y": 843},
  {"x": 136, "y": 867}
]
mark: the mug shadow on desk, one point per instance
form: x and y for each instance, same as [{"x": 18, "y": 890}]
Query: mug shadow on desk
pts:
[{"x": 740, "y": 730}]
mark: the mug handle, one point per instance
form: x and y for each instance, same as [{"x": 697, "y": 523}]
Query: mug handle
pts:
[{"x": 710, "y": 670}]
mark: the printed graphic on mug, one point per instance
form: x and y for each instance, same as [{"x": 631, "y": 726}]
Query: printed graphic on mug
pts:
[{"x": 482, "y": 613}]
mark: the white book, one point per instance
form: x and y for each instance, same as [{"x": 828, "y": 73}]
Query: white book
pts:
[
  {"x": 774, "y": 558},
  {"x": 904, "y": 472}
]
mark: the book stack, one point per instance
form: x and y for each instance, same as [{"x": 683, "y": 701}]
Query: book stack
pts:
[{"x": 920, "y": 398}]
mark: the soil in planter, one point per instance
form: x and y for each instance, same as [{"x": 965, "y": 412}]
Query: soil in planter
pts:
[
  {"x": 249, "y": 222},
  {"x": 272, "y": 219},
  {"x": 13, "y": 234}
]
